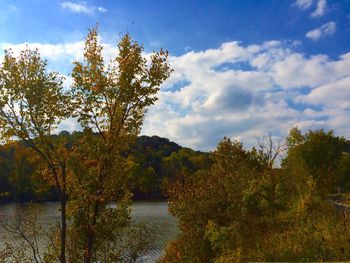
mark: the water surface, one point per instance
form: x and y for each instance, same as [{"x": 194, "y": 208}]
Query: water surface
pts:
[{"x": 154, "y": 215}]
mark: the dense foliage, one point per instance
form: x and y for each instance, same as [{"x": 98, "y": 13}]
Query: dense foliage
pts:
[{"x": 242, "y": 209}]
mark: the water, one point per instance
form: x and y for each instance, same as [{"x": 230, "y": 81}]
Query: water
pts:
[{"x": 153, "y": 215}]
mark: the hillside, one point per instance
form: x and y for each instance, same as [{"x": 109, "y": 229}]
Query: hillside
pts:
[{"x": 154, "y": 159}]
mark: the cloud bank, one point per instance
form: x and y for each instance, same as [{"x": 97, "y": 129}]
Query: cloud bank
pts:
[
  {"x": 246, "y": 91},
  {"x": 240, "y": 91}
]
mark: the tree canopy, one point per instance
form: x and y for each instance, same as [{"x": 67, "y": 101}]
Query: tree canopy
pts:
[{"x": 320, "y": 154}]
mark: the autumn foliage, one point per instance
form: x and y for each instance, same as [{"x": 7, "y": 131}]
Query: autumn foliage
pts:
[{"x": 242, "y": 209}]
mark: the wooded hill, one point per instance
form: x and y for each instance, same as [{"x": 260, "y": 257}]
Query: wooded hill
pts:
[{"x": 154, "y": 160}]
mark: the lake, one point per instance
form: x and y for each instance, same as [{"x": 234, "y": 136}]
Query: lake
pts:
[{"x": 154, "y": 215}]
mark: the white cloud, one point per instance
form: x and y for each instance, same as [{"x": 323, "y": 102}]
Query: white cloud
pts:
[
  {"x": 303, "y": 4},
  {"x": 325, "y": 30},
  {"x": 101, "y": 9},
  {"x": 334, "y": 94},
  {"x": 314, "y": 34},
  {"x": 52, "y": 51},
  {"x": 60, "y": 56},
  {"x": 250, "y": 102},
  {"x": 320, "y": 8},
  {"x": 236, "y": 91},
  {"x": 69, "y": 125},
  {"x": 82, "y": 8}
]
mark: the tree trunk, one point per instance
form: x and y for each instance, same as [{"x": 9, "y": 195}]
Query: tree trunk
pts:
[
  {"x": 90, "y": 236},
  {"x": 63, "y": 200},
  {"x": 88, "y": 249}
]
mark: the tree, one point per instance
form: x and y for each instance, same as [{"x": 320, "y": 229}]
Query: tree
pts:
[
  {"x": 318, "y": 153},
  {"x": 342, "y": 172},
  {"x": 221, "y": 196},
  {"x": 32, "y": 105},
  {"x": 111, "y": 101},
  {"x": 269, "y": 150}
]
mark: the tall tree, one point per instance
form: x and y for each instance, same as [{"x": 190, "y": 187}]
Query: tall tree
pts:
[
  {"x": 111, "y": 101},
  {"x": 32, "y": 105}
]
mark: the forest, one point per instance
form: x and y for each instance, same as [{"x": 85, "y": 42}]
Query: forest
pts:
[
  {"x": 272, "y": 202},
  {"x": 155, "y": 160}
]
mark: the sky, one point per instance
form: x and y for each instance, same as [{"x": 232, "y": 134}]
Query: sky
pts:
[{"x": 242, "y": 69}]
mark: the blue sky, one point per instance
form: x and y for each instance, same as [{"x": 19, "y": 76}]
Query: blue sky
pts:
[{"x": 242, "y": 68}]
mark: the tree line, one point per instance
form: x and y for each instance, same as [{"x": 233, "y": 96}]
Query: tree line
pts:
[{"x": 155, "y": 160}]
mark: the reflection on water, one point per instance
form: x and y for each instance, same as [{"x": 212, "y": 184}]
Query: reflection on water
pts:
[{"x": 153, "y": 214}]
